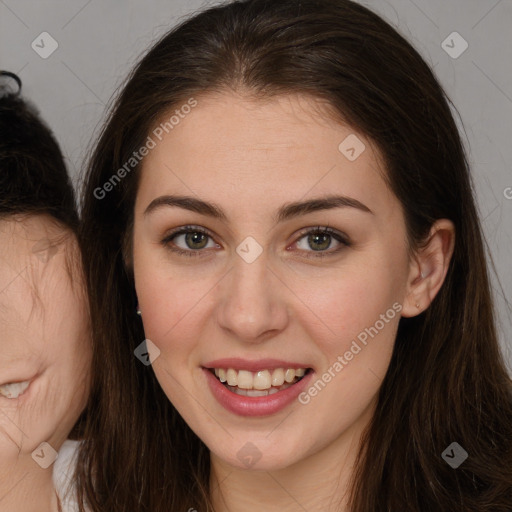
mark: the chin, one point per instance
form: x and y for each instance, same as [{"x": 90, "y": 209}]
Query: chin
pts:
[{"x": 247, "y": 452}]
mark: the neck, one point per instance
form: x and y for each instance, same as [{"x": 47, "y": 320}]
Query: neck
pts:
[
  {"x": 317, "y": 483},
  {"x": 25, "y": 486}
]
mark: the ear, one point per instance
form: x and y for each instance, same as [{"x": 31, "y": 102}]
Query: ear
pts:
[{"x": 428, "y": 268}]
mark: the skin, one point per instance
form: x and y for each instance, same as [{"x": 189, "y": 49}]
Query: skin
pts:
[
  {"x": 45, "y": 333},
  {"x": 251, "y": 157}
]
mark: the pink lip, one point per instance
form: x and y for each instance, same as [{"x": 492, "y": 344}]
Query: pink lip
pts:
[
  {"x": 255, "y": 406},
  {"x": 253, "y": 366}
]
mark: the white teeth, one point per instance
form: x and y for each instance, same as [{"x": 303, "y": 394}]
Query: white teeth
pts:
[
  {"x": 257, "y": 392},
  {"x": 289, "y": 375},
  {"x": 14, "y": 389},
  {"x": 278, "y": 377},
  {"x": 244, "y": 380},
  {"x": 231, "y": 377},
  {"x": 263, "y": 380}
]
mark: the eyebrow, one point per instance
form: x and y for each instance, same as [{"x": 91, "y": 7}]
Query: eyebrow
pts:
[{"x": 286, "y": 212}]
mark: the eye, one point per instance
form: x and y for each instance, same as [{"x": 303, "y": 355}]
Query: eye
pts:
[
  {"x": 192, "y": 239},
  {"x": 319, "y": 239}
]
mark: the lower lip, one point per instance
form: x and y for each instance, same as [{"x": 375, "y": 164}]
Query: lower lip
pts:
[{"x": 258, "y": 405}]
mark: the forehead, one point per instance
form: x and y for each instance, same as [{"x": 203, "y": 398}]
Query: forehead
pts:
[
  {"x": 232, "y": 149},
  {"x": 33, "y": 251},
  {"x": 26, "y": 234}
]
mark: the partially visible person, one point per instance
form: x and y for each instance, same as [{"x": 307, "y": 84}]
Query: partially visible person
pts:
[{"x": 44, "y": 316}]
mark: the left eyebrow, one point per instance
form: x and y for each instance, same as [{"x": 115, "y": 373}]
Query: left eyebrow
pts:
[{"x": 286, "y": 212}]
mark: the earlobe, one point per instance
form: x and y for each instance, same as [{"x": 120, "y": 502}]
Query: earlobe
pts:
[{"x": 429, "y": 267}]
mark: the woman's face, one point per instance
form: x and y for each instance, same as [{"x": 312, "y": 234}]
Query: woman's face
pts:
[
  {"x": 45, "y": 352},
  {"x": 248, "y": 294}
]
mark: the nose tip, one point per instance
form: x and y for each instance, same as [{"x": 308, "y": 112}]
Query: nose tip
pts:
[{"x": 252, "y": 307}]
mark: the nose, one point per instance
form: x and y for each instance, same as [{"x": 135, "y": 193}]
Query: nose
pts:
[{"x": 253, "y": 305}]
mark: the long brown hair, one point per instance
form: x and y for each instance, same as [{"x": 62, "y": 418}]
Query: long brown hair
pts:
[{"x": 447, "y": 380}]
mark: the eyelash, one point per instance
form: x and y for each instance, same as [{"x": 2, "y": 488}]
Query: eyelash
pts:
[{"x": 319, "y": 230}]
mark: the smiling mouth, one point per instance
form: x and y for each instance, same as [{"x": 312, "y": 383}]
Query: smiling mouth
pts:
[
  {"x": 13, "y": 390},
  {"x": 261, "y": 383}
]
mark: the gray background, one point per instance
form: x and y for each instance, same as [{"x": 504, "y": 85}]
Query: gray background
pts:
[{"x": 99, "y": 42}]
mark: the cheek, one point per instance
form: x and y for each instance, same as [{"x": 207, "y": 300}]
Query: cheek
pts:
[
  {"x": 171, "y": 305},
  {"x": 67, "y": 351},
  {"x": 339, "y": 308},
  {"x": 67, "y": 332},
  {"x": 11, "y": 435},
  {"x": 30, "y": 419}
]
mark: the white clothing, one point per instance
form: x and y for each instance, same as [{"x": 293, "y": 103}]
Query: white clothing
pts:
[{"x": 64, "y": 475}]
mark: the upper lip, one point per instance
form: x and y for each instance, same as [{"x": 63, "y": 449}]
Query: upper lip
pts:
[{"x": 253, "y": 366}]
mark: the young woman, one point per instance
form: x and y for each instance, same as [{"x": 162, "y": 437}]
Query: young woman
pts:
[
  {"x": 44, "y": 323},
  {"x": 282, "y": 194}
]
